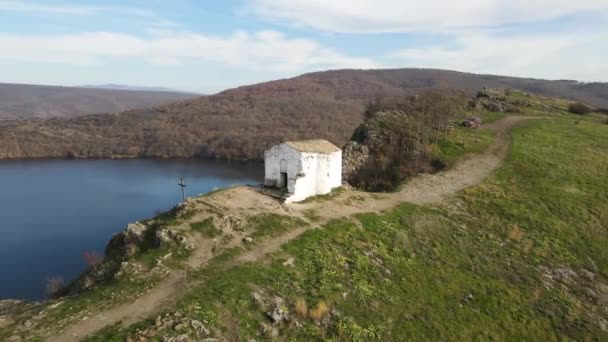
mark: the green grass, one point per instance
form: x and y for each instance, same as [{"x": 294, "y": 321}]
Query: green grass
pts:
[
  {"x": 95, "y": 299},
  {"x": 463, "y": 141},
  {"x": 435, "y": 273},
  {"x": 207, "y": 228},
  {"x": 489, "y": 117},
  {"x": 312, "y": 215},
  {"x": 321, "y": 198},
  {"x": 270, "y": 225},
  {"x": 149, "y": 251}
]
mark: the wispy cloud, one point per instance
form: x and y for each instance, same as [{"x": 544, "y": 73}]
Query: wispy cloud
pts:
[
  {"x": 261, "y": 50},
  {"x": 376, "y": 16},
  {"x": 21, "y": 6},
  {"x": 83, "y": 10},
  {"x": 545, "y": 55}
]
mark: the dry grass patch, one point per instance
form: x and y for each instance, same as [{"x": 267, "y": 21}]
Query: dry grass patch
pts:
[
  {"x": 515, "y": 233},
  {"x": 319, "y": 312},
  {"x": 301, "y": 308}
]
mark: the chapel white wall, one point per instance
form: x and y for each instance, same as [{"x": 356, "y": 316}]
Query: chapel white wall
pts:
[
  {"x": 308, "y": 174},
  {"x": 272, "y": 165},
  {"x": 323, "y": 173}
]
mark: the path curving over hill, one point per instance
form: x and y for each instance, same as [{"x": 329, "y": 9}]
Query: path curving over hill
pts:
[{"x": 423, "y": 189}]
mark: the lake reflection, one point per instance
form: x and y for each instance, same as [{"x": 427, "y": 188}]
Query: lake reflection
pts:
[{"x": 52, "y": 211}]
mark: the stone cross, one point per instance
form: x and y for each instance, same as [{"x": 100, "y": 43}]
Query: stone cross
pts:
[{"x": 182, "y": 185}]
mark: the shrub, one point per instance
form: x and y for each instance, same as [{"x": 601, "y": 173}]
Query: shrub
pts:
[
  {"x": 320, "y": 311},
  {"x": 92, "y": 259},
  {"x": 579, "y": 108},
  {"x": 301, "y": 308},
  {"x": 602, "y": 110},
  {"x": 207, "y": 228},
  {"x": 54, "y": 284}
]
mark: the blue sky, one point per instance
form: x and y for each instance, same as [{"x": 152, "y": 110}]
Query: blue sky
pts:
[{"x": 207, "y": 46}]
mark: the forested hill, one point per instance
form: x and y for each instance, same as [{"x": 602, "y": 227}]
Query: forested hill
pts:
[
  {"x": 24, "y": 101},
  {"x": 240, "y": 123}
]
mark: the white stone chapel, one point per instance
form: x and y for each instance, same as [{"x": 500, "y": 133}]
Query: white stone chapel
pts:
[{"x": 303, "y": 168}]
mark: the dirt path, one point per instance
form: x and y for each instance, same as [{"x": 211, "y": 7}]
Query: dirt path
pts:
[
  {"x": 422, "y": 189},
  {"x": 160, "y": 296}
]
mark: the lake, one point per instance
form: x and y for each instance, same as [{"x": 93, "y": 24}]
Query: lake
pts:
[{"x": 52, "y": 211}]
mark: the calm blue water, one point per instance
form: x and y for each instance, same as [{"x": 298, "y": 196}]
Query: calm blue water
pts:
[{"x": 53, "y": 211}]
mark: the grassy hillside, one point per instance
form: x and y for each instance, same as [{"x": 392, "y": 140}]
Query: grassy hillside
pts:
[
  {"x": 521, "y": 256},
  {"x": 240, "y": 123}
]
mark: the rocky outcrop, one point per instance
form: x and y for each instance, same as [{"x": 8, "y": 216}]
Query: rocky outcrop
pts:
[
  {"x": 493, "y": 100},
  {"x": 171, "y": 236},
  {"x": 503, "y": 101},
  {"x": 354, "y": 156},
  {"x": 378, "y": 137},
  {"x": 124, "y": 245},
  {"x": 180, "y": 326}
]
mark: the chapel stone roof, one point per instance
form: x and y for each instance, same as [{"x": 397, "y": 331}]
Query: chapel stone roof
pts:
[{"x": 313, "y": 146}]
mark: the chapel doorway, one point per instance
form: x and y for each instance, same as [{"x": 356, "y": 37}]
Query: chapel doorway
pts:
[{"x": 284, "y": 180}]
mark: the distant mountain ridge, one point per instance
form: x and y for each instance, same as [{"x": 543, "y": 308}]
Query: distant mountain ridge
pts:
[
  {"x": 240, "y": 123},
  {"x": 113, "y": 86},
  {"x": 24, "y": 101}
]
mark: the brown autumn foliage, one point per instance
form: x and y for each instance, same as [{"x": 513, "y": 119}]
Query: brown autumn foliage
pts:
[
  {"x": 92, "y": 259},
  {"x": 240, "y": 123},
  {"x": 398, "y": 135},
  {"x": 22, "y": 101}
]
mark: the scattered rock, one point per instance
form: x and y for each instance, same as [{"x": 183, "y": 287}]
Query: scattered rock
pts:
[
  {"x": 279, "y": 311},
  {"x": 199, "y": 327},
  {"x": 14, "y": 338},
  {"x": 229, "y": 222},
  {"x": 248, "y": 239},
  {"x": 268, "y": 330},
  {"x": 588, "y": 274},
  {"x": 468, "y": 297},
  {"x": 135, "y": 232},
  {"x": 163, "y": 237},
  {"x": 54, "y": 306},
  {"x": 289, "y": 262},
  {"x": 127, "y": 268},
  {"x": 180, "y": 338},
  {"x": 258, "y": 298},
  {"x": 186, "y": 207}
]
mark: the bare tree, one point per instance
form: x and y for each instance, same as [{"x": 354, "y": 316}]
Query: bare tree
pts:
[
  {"x": 93, "y": 259},
  {"x": 54, "y": 284}
]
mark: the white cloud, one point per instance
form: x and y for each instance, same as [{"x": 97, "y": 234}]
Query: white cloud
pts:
[
  {"x": 262, "y": 50},
  {"x": 553, "y": 56},
  {"x": 83, "y": 10},
  {"x": 21, "y": 6},
  {"x": 373, "y": 16}
]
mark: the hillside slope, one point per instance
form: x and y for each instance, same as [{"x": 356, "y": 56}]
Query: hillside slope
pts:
[
  {"x": 21, "y": 101},
  {"x": 508, "y": 243},
  {"x": 240, "y": 123}
]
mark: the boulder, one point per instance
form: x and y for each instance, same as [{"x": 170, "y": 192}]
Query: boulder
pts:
[
  {"x": 135, "y": 232},
  {"x": 199, "y": 327},
  {"x": 163, "y": 237},
  {"x": 279, "y": 311},
  {"x": 354, "y": 156}
]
